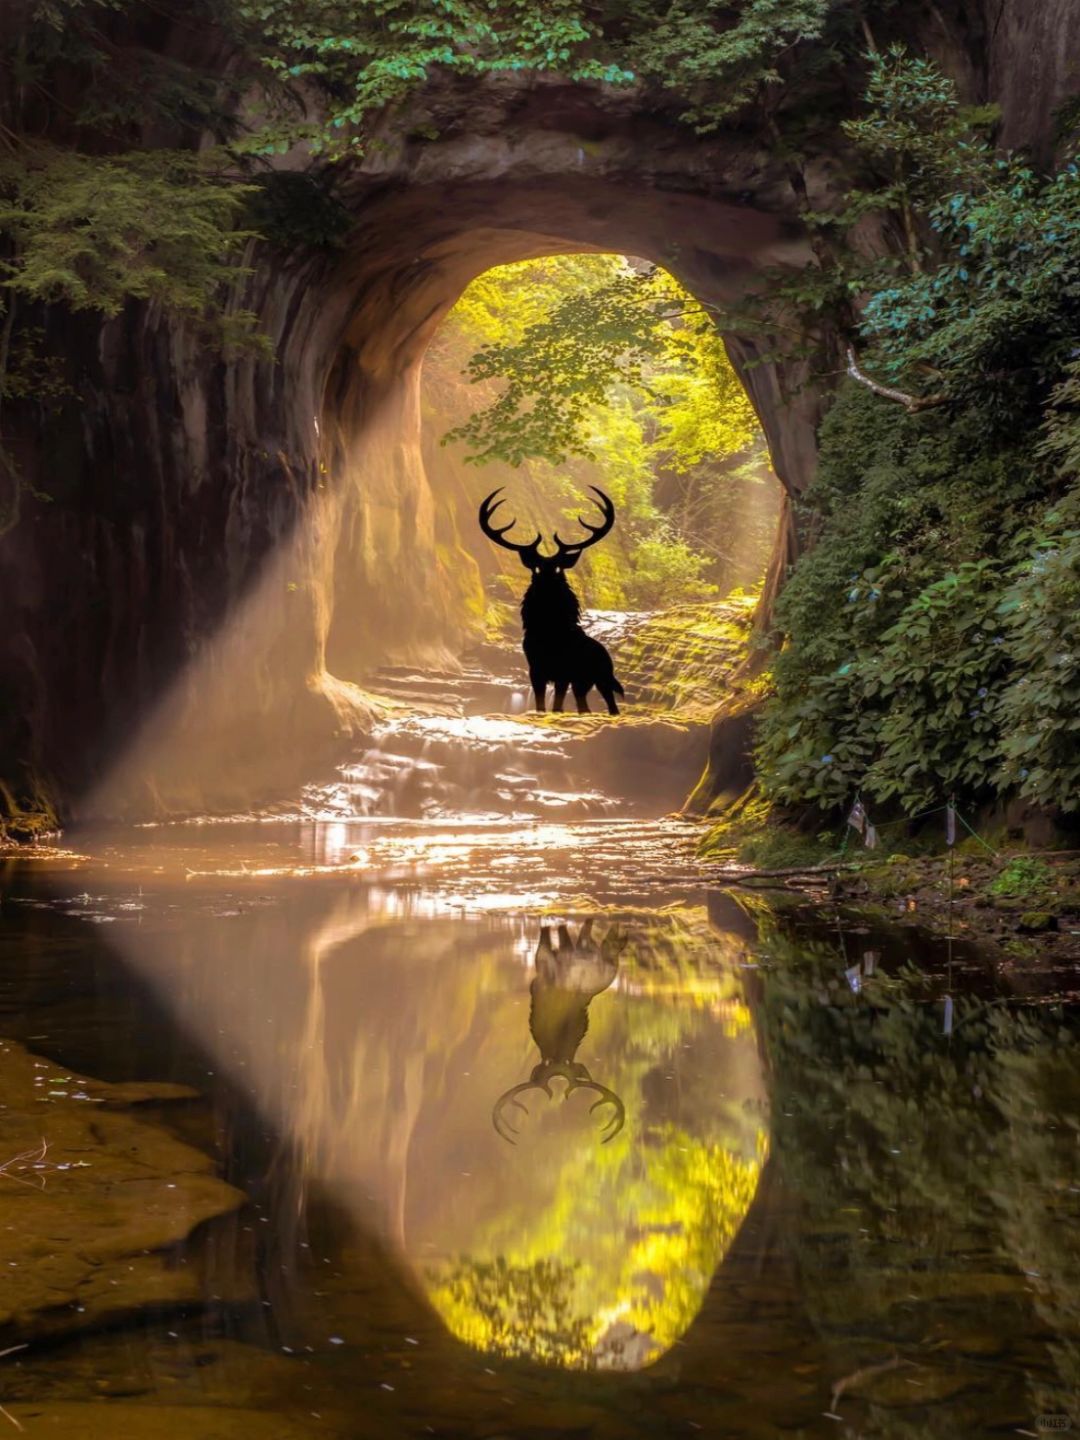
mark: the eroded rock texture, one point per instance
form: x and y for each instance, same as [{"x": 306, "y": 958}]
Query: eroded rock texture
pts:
[{"x": 229, "y": 544}]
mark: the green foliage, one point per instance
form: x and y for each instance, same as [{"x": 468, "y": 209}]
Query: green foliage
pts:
[
  {"x": 665, "y": 568},
  {"x": 775, "y": 848},
  {"x": 631, "y": 325},
  {"x": 995, "y": 320},
  {"x": 650, "y": 427},
  {"x": 718, "y": 60},
  {"x": 913, "y": 670},
  {"x": 372, "y": 56},
  {"x": 1023, "y": 878},
  {"x": 1067, "y": 120},
  {"x": 297, "y": 210},
  {"x": 1039, "y": 710},
  {"x": 88, "y": 62},
  {"x": 31, "y": 372},
  {"x": 367, "y": 58},
  {"x": 932, "y": 645},
  {"x": 916, "y": 132},
  {"x": 559, "y": 372},
  {"x": 94, "y": 232}
]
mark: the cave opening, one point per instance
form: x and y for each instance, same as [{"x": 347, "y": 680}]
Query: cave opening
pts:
[
  {"x": 513, "y": 393},
  {"x": 383, "y": 588},
  {"x": 665, "y": 429}
]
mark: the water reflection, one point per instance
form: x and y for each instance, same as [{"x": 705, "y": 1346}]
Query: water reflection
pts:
[
  {"x": 905, "y": 1257},
  {"x": 374, "y": 1044},
  {"x": 937, "y": 1169},
  {"x": 566, "y": 980},
  {"x": 592, "y": 1255}
]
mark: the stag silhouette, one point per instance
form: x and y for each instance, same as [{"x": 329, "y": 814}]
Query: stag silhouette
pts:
[
  {"x": 567, "y": 979},
  {"x": 557, "y": 650}
]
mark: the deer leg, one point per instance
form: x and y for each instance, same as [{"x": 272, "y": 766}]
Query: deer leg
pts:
[
  {"x": 609, "y": 698},
  {"x": 580, "y": 696},
  {"x": 560, "y": 696}
]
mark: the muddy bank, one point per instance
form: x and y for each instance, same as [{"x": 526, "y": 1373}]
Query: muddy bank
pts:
[{"x": 1022, "y": 906}]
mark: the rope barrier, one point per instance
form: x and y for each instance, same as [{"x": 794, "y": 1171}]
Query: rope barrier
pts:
[
  {"x": 977, "y": 836},
  {"x": 859, "y": 819}
]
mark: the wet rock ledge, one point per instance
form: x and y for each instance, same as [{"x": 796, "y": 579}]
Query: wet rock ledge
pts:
[{"x": 93, "y": 1202}]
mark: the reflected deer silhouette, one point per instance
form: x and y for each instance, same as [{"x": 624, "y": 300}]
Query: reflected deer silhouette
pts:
[
  {"x": 567, "y": 979},
  {"x": 557, "y": 650}
]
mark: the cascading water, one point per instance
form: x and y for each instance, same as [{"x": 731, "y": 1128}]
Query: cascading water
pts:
[{"x": 464, "y": 745}]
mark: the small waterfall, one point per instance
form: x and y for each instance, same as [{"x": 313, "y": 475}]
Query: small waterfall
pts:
[
  {"x": 461, "y": 744},
  {"x": 476, "y": 766}
]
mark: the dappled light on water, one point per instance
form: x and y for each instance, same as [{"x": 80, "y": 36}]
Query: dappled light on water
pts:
[{"x": 433, "y": 866}]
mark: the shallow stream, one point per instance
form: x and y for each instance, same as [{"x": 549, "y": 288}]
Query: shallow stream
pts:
[{"x": 266, "y": 1170}]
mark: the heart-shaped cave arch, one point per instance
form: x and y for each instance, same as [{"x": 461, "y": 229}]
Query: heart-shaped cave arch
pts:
[
  {"x": 325, "y": 558},
  {"x": 417, "y": 251},
  {"x": 353, "y": 573},
  {"x": 201, "y": 519}
]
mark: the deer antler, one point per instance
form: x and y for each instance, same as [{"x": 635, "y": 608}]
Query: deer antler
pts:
[
  {"x": 499, "y": 1120},
  {"x": 607, "y": 1097},
  {"x": 596, "y": 532},
  {"x": 577, "y": 1078},
  {"x": 487, "y": 510}
]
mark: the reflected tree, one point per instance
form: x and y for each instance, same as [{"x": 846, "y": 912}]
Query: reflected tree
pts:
[
  {"x": 933, "y": 1154},
  {"x": 601, "y": 1255},
  {"x": 522, "y": 1311}
]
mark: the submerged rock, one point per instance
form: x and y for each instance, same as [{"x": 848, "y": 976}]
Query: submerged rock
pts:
[{"x": 91, "y": 1201}]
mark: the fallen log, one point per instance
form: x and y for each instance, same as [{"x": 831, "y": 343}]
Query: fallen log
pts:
[{"x": 811, "y": 872}]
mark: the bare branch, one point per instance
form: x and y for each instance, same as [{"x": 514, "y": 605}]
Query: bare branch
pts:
[{"x": 911, "y": 403}]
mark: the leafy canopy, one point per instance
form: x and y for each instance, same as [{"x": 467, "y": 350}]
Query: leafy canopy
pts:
[
  {"x": 94, "y": 232},
  {"x": 631, "y": 326},
  {"x": 374, "y": 55},
  {"x": 668, "y": 432}
]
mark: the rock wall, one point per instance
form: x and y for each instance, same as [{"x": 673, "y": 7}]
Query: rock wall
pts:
[{"x": 221, "y": 548}]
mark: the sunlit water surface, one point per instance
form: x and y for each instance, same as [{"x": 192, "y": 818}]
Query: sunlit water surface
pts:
[{"x": 805, "y": 1179}]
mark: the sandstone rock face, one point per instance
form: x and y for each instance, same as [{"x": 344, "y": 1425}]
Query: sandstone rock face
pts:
[{"x": 231, "y": 543}]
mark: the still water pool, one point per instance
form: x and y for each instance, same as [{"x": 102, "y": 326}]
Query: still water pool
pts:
[{"x": 489, "y": 1130}]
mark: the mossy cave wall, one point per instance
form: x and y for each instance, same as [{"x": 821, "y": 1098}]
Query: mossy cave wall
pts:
[{"x": 229, "y": 545}]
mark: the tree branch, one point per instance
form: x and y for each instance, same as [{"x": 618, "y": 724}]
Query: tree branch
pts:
[{"x": 911, "y": 403}]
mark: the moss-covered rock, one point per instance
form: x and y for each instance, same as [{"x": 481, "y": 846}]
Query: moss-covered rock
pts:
[
  {"x": 680, "y": 659},
  {"x": 747, "y": 831},
  {"x": 897, "y": 876},
  {"x": 1034, "y": 922}
]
